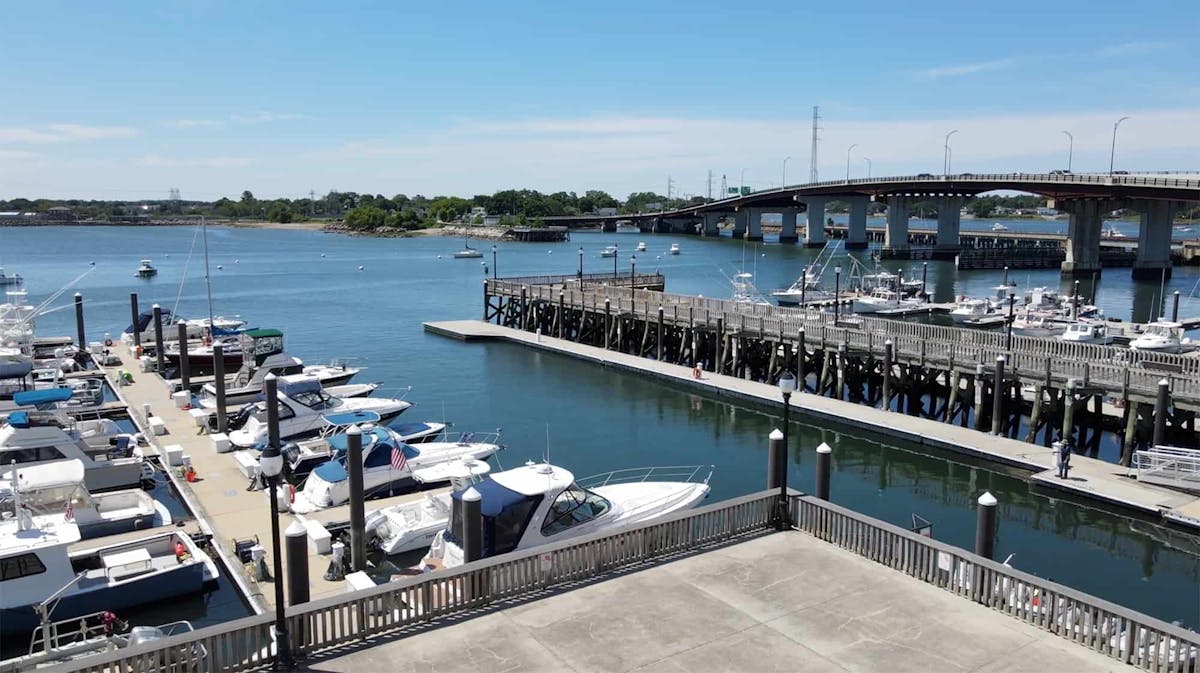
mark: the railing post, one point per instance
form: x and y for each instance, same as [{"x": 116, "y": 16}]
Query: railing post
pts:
[
  {"x": 998, "y": 397},
  {"x": 824, "y": 469},
  {"x": 1160, "y": 412}
]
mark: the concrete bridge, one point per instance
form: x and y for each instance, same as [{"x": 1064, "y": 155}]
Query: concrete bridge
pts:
[{"x": 1084, "y": 197}]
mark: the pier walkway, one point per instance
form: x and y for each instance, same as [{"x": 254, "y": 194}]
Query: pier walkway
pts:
[
  {"x": 779, "y": 602},
  {"x": 1089, "y": 478}
]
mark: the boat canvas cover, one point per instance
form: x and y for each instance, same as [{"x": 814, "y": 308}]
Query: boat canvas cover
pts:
[
  {"x": 348, "y": 418},
  {"x": 295, "y": 385},
  {"x": 506, "y": 515},
  {"x": 145, "y": 319},
  {"x": 262, "y": 342},
  {"x": 50, "y": 475},
  {"x": 30, "y": 398},
  {"x": 410, "y": 428},
  {"x": 332, "y": 472}
]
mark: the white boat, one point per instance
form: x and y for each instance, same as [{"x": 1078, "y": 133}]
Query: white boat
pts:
[
  {"x": 1037, "y": 325},
  {"x": 266, "y": 356},
  {"x": 10, "y": 278},
  {"x": 43, "y": 577},
  {"x": 882, "y": 299},
  {"x": 641, "y": 247},
  {"x": 390, "y": 465},
  {"x": 807, "y": 287},
  {"x": 411, "y": 526},
  {"x": 146, "y": 270},
  {"x": 35, "y": 438},
  {"x": 57, "y": 488},
  {"x": 999, "y": 227},
  {"x": 743, "y": 290},
  {"x": 304, "y": 455},
  {"x": 1163, "y": 336},
  {"x": 196, "y": 329},
  {"x": 69, "y": 640},
  {"x": 674, "y": 249},
  {"x": 467, "y": 252},
  {"x": 1111, "y": 231},
  {"x": 609, "y": 251},
  {"x": 968, "y": 310},
  {"x": 303, "y": 403},
  {"x": 1087, "y": 332},
  {"x": 538, "y": 504}
]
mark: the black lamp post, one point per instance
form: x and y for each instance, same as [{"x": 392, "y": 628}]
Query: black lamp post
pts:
[
  {"x": 581, "y": 266},
  {"x": 924, "y": 276},
  {"x": 271, "y": 465},
  {"x": 494, "y": 261},
  {"x": 614, "y": 264},
  {"x": 787, "y": 386},
  {"x": 803, "y": 287},
  {"x": 632, "y": 273},
  {"x": 1012, "y": 300},
  {"x": 837, "y": 292}
]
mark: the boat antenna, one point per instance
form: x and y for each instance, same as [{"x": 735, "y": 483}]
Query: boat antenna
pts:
[
  {"x": 546, "y": 456},
  {"x": 207, "y": 276}
]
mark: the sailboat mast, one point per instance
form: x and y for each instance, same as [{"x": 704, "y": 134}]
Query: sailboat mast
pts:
[{"x": 207, "y": 278}]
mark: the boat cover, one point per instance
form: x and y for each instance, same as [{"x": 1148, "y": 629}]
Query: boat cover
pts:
[
  {"x": 410, "y": 428},
  {"x": 494, "y": 498},
  {"x": 19, "y": 419},
  {"x": 146, "y": 318},
  {"x": 347, "y": 418},
  {"x": 30, "y": 398},
  {"x": 332, "y": 472}
]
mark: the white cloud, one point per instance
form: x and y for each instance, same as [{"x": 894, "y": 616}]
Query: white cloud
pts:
[
  {"x": 965, "y": 69},
  {"x": 16, "y": 154},
  {"x": 1135, "y": 48},
  {"x": 193, "y": 123},
  {"x": 157, "y": 161},
  {"x": 264, "y": 117},
  {"x": 54, "y": 133}
]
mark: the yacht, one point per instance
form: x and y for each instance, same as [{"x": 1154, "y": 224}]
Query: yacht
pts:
[
  {"x": 882, "y": 299},
  {"x": 57, "y": 488},
  {"x": 266, "y": 356},
  {"x": 674, "y": 249},
  {"x": 411, "y": 526},
  {"x": 304, "y": 455},
  {"x": 196, "y": 329},
  {"x": 999, "y": 227},
  {"x": 10, "y": 278},
  {"x": 201, "y": 356},
  {"x": 35, "y": 438},
  {"x": 303, "y": 404},
  {"x": 391, "y": 465},
  {"x": 43, "y": 580},
  {"x": 1087, "y": 332},
  {"x": 1163, "y": 336},
  {"x": 970, "y": 310},
  {"x": 1037, "y": 325},
  {"x": 537, "y": 504},
  {"x": 467, "y": 252},
  {"x": 609, "y": 251},
  {"x": 146, "y": 270},
  {"x": 641, "y": 247}
]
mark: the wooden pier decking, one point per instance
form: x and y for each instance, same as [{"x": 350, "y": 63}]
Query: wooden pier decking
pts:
[{"x": 1090, "y": 478}]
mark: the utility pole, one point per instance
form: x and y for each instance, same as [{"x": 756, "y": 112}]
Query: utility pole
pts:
[
  {"x": 812, "y": 167},
  {"x": 710, "y": 185},
  {"x": 670, "y": 184},
  {"x": 312, "y": 202},
  {"x": 724, "y": 187}
]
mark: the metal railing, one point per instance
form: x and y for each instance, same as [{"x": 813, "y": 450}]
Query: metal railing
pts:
[
  {"x": 620, "y": 278},
  {"x": 699, "y": 474},
  {"x": 1169, "y": 466},
  {"x": 1111, "y": 630},
  {"x": 246, "y": 644}
]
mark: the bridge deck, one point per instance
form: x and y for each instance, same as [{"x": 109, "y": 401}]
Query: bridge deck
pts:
[
  {"x": 779, "y": 602},
  {"x": 1090, "y": 478}
]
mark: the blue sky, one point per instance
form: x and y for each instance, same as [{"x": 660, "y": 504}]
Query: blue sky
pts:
[{"x": 127, "y": 100}]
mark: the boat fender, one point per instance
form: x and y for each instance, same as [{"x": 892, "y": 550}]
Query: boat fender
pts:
[
  {"x": 291, "y": 494},
  {"x": 107, "y": 340}
]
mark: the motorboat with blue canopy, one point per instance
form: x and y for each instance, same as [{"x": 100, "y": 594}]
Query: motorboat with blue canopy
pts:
[
  {"x": 304, "y": 455},
  {"x": 42, "y": 398}
]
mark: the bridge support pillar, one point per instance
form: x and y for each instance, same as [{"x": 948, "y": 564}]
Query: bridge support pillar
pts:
[
  {"x": 948, "y": 223},
  {"x": 1083, "y": 236},
  {"x": 896, "y": 235},
  {"x": 740, "y": 219},
  {"x": 1154, "y": 240},
  {"x": 609, "y": 226},
  {"x": 788, "y": 233},
  {"x": 712, "y": 224},
  {"x": 754, "y": 226},
  {"x": 856, "y": 232},
  {"x": 814, "y": 236}
]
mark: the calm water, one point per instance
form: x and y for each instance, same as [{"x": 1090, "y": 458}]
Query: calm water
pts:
[{"x": 597, "y": 419}]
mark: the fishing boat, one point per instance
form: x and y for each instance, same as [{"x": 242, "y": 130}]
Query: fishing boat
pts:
[
  {"x": 1087, "y": 332},
  {"x": 537, "y": 504},
  {"x": 110, "y": 462},
  {"x": 808, "y": 286},
  {"x": 303, "y": 456},
  {"x": 264, "y": 348},
  {"x": 10, "y": 278},
  {"x": 1163, "y": 336},
  {"x": 609, "y": 251},
  {"x": 971, "y": 310},
  {"x": 674, "y": 249},
  {"x": 881, "y": 300},
  {"x": 999, "y": 227},
  {"x": 467, "y": 252},
  {"x": 390, "y": 465},
  {"x": 1035, "y": 324},
  {"x": 146, "y": 270},
  {"x": 58, "y": 487},
  {"x": 201, "y": 356},
  {"x": 303, "y": 404},
  {"x": 641, "y": 247},
  {"x": 43, "y": 580}
]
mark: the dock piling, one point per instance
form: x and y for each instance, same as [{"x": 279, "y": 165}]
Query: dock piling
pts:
[
  {"x": 776, "y": 459},
  {"x": 185, "y": 379},
  {"x": 296, "y": 550},
  {"x": 1174, "y": 307},
  {"x": 824, "y": 467},
  {"x": 1160, "y": 411},
  {"x": 888, "y": 355},
  {"x": 159, "y": 355},
  {"x": 133, "y": 314},
  {"x": 1068, "y": 426},
  {"x": 358, "y": 517},
  {"x": 472, "y": 533},
  {"x": 83, "y": 340},
  {"x": 801, "y": 352},
  {"x": 219, "y": 384},
  {"x": 998, "y": 398},
  {"x": 985, "y": 526}
]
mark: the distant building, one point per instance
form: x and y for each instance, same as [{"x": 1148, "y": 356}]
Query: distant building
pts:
[
  {"x": 148, "y": 207},
  {"x": 1050, "y": 212},
  {"x": 651, "y": 207},
  {"x": 477, "y": 211},
  {"x": 491, "y": 220},
  {"x": 60, "y": 214},
  {"x": 606, "y": 212}
]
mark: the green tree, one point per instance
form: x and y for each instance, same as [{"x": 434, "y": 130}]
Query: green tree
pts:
[
  {"x": 448, "y": 208},
  {"x": 365, "y": 218},
  {"x": 280, "y": 212},
  {"x": 981, "y": 208}
]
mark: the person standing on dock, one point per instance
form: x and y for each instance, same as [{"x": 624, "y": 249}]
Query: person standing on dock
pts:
[{"x": 1064, "y": 457}]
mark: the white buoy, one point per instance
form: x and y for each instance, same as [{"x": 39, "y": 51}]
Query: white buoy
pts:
[
  {"x": 360, "y": 267},
  {"x": 439, "y": 256},
  {"x": 236, "y": 261},
  {"x": 220, "y": 267},
  {"x": 322, "y": 254},
  {"x": 549, "y": 252}
]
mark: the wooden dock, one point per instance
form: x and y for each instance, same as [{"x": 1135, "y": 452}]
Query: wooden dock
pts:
[{"x": 1090, "y": 478}]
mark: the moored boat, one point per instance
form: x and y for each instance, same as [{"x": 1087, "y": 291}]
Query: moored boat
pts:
[{"x": 146, "y": 269}]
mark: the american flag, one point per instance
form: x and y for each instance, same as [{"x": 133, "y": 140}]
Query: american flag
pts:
[
  {"x": 70, "y": 512},
  {"x": 398, "y": 459}
]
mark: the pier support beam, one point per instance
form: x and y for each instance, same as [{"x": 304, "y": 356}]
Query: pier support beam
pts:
[
  {"x": 740, "y": 220},
  {"x": 1083, "y": 235},
  {"x": 814, "y": 235},
  {"x": 896, "y": 234},
  {"x": 79, "y": 333},
  {"x": 754, "y": 226},
  {"x": 787, "y": 234},
  {"x": 948, "y": 223},
  {"x": 1154, "y": 240},
  {"x": 712, "y": 224},
  {"x": 856, "y": 231},
  {"x": 133, "y": 314}
]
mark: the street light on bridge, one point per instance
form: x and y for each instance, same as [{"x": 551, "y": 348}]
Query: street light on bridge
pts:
[
  {"x": 783, "y": 177},
  {"x": 1113, "y": 153},
  {"x": 946, "y": 153},
  {"x": 1070, "y": 148},
  {"x": 848, "y": 160},
  {"x": 868, "y": 160}
]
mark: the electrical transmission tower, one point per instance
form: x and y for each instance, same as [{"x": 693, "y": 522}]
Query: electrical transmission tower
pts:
[{"x": 816, "y": 126}]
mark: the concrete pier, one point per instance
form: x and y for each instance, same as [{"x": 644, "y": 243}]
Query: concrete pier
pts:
[
  {"x": 712, "y": 224},
  {"x": 814, "y": 236},
  {"x": 787, "y": 233},
  {"x": 741, "y": 219},
  {"x": 1154, "y": 240},
  {"x": 856, "y": 235},
  {"x": 896, "y": 237},
  {"x": 754, "y": 224},
  {"x": 1083, "y": 236},
  {"x": 948, "y": 223}
]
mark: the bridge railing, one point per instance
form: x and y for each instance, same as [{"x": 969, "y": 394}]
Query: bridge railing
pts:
[{"x": 1111, "y": 630}]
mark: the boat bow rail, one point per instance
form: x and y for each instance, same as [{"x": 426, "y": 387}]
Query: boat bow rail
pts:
[{"x": 692, "y": 474}]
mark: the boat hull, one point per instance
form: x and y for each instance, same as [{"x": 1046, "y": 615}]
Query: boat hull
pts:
[{"x": 238, "y": 396}]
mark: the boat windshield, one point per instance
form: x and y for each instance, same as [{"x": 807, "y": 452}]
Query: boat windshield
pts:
[
  {"x": 574, "y": 506},
  {"x": 1160, "y": 330},
  {"x": 318, "y": 400}
]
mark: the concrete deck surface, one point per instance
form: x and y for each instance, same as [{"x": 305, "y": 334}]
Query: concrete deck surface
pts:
[{"x": 781, "y": 602}]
